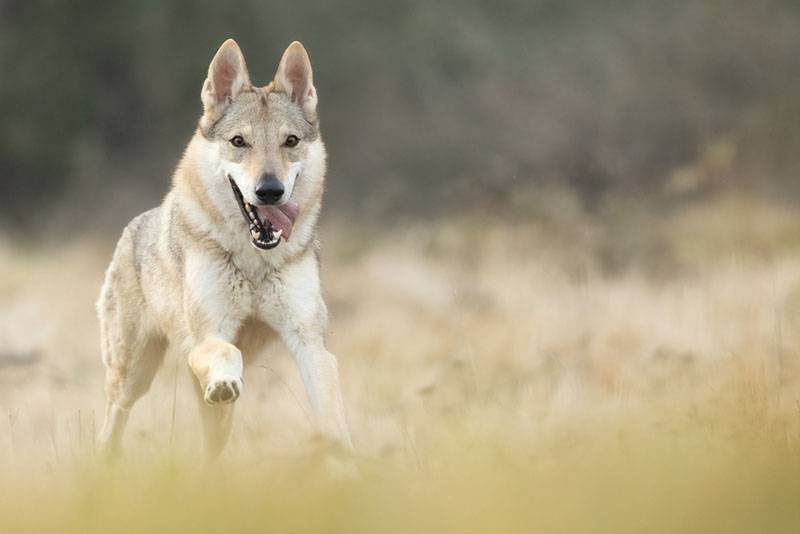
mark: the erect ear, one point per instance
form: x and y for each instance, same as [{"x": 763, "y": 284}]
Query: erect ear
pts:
[
  {"x": 294, "y": 77},
  {"x": 227, "y": 75}
]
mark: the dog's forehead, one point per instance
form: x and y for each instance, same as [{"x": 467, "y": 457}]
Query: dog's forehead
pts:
[
  {"x": 279, "y": 105},
  {"x": 261, "y": 112}
]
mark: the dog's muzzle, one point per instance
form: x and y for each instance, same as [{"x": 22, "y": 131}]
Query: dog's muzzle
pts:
[{"x": 262, "y": 235}]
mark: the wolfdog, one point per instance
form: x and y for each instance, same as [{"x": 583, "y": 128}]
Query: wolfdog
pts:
[{"x": 229, "y": 257}]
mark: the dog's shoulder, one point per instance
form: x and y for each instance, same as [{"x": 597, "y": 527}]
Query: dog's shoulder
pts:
[{"x": 136, "y": 232}]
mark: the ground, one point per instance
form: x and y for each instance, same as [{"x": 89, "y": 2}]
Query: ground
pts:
[{"x": 632, "y": 370}]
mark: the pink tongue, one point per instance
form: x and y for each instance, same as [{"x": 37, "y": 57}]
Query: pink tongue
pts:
[{"x": 282, "y": 217}]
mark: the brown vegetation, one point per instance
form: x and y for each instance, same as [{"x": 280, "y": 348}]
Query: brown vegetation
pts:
[{"x": 566, "y": 373}]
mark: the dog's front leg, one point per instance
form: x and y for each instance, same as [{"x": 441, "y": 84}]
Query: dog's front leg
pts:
[
  {"x": 218, "y": 367},
  {"x": 212, "y": 319},
  {"x": 320, "y": 374},
  {"x": 299, "y": 315}
]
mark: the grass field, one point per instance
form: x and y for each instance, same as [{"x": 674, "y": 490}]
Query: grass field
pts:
[{"x": 632, "y": 371}]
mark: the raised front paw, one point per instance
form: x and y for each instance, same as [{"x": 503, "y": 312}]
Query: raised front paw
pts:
[{"x": 223, "y": 390}]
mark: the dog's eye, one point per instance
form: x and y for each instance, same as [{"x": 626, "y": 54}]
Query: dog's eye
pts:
[
  {"x": 238, "y": 141},
  {"x": 291, "y": 141}
]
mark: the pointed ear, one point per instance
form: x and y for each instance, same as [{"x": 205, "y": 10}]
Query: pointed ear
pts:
[
  {"x": 227, "y": 75},
  {"x": 294, "y": 77}
]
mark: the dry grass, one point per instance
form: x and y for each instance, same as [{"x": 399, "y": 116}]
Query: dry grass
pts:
[{"x": 628, "y": 373}]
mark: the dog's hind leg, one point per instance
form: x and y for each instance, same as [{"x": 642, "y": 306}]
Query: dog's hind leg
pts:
[
  {"x": 128, "y": 376},
  {"x": 217, "y": 422},
  {"x": 131, "y": 356}
]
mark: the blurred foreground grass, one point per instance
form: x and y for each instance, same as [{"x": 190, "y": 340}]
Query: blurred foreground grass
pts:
[
  {"x": 689, "y": 465},
  {"x": 633, "y": 371}
]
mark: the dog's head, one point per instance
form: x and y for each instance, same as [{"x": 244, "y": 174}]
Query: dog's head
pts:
[{"x": 264, "y": 141}]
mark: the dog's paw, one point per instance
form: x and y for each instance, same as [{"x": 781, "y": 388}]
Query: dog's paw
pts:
[{"x": 223, "y": 390}]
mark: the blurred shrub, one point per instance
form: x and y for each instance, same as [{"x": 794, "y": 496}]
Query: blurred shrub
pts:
[{"x": 427, "y": 106}]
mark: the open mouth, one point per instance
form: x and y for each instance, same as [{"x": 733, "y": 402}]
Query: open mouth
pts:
[{"x": 267, "y": 224}]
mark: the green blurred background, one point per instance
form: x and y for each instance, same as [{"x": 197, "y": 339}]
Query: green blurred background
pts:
[{"x": 428, "y": 108}]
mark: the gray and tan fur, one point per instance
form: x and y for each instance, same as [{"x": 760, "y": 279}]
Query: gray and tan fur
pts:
[{"x": 186, "y": 275}]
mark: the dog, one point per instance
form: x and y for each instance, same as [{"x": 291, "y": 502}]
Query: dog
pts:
[{"x": 229, "y": 257}]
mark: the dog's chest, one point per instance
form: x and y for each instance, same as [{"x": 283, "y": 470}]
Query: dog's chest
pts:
[{"x": 254, "y": 287}]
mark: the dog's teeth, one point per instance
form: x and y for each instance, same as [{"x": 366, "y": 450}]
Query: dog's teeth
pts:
[{"x": 277, "y": 235}]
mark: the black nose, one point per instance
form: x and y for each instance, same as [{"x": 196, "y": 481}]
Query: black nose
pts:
[{"x": 269, "y": 189}]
